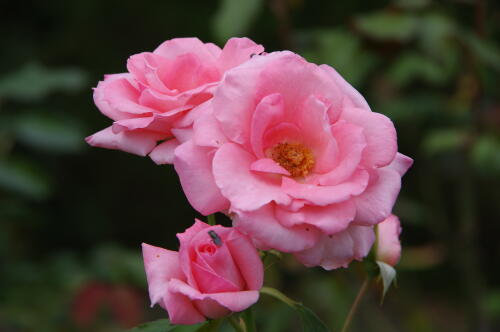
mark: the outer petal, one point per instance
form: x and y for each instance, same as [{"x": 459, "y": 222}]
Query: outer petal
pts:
[
  {"x": 401, "y": 163},
  {"x": 118, "y": 99},
  {"x": 329, "y": 219},
  {"x": 352, "y": 97},
  {"x": 265, "y": 229},
  {"x": 338, "y": 250},
  {"x": 172, "y": 48},
  {"x": 161, "y": 265},
  {"x": 194, "y": 167},
  {"x": 234, "y": 301},
  {"x": 376, "y": 202},
  {"x": 164, "y": 152},
  {"x": 237, "y": 51},
  {"x": 388, "y": 245},
  {"x": 247, "y": 259},
  {"x": 267, "y": 165},
  {"x": 245, "y": 189},
  {"x": 181, "y": 309},
  {"x": 380, "y": 136},
  {"x": 136, "y": 142}
]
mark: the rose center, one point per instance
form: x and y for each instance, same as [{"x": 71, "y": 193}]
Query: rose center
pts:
[{"x": 294, "y": 157}]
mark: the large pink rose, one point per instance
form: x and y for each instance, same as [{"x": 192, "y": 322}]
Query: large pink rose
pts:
[
  {"x": 388, "y": 246},
  {"x": 216, "y": 271},
  {"x": 296, "y": 157},
  {"x": 156, "y": 100}
]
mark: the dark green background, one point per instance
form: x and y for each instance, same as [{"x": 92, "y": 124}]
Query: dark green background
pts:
[{"x": 72, "y": 217}]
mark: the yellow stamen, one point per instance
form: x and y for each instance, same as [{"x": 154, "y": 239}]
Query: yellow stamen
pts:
[{"x": 294, "y": 157}]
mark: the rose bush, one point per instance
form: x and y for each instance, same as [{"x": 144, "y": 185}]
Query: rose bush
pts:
[
  {"x": 216, "y": 271},
  {"x": 296, "y": 157},
  {"x": 156, "y": 99},
  {"x": 388, "y": 246}
]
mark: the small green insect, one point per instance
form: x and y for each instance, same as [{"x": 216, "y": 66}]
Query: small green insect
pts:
[{"x": 217, "y": 240}]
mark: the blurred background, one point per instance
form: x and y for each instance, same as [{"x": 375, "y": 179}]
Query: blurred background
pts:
[{"x": 72, "y": 217}]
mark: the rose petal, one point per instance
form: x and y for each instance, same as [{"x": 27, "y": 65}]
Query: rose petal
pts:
[
  {"x": 137, "y": 142},
  {"x": 194, "y": 167},
  {"x": 263, "y": 227},
  {"x": 164, "y": 152},
  {"x": 245, "y": 189},
  {"x": 161, "y": 265}
]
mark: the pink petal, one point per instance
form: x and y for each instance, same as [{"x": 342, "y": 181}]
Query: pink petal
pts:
[
  {"x": 247, "y": 259},
  {"x": 326, "y": 195},
  {"x": 401, "y": 163},
  {"x": 352, "y": 97},
  {"x": 164, "y": 152},
  {"x": 194, "y": 166},
  {"x": 181, "y": 309},
  {"x": 329, "y": 219},
  {"x": 209, "y": 282},
  {"x": 173, "y": 48},
  {"x": 245, "y": 189},
  {"x": 234, "y": 301},
  {"x": 207, "y": 131},
  {"x": 237, "y": 51},
  {"x": 388, "y": 245},
  {"x": 118, "y": 99},
  {"x": 268, "y": 112},
  {"x": 161, "y": 265},
  {"x": 380, "y": 136},
  {"x": 350, "y": 142},
  {"x": 376, "y": 202},
  {"x": 264, "y": 228},
  {"x": 338, "y": 250},
  {"x": 185, "y": 240},
  {"x": 136, "y": 142},
  {"x": 267, "y": 165}
]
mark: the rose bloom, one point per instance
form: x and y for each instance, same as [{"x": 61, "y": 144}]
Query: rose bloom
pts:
[
  {"x": 156, "y": 99},
  {"x": 296, "y": 157},
  {"x": 388, "y": 245},
  {"x": 216, "y": 271}
]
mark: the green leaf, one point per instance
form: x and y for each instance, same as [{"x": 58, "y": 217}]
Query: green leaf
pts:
[
  {"x": 388, "y": 25},
  {"x": 33, "y": 82},
  {"x": 49, "y": 132},
  {"x": 163, "y": 325},
  {"x": 234, "y": 18},
  {"x": 310, "y": 321},
  {"x": 412, "y": 4},
  {"x": 411, "y": 66},
  {"x": 343, "y": 51},
  {"x": 25, "y": 178},
  {"x": 485, "y": 50},
  {"x": 485, "y": 155},
  {"x": 388, "y": 274},
  {"x": 443, "y": 140}
]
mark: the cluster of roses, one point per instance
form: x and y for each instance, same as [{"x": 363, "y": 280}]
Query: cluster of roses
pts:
[{"x": 287, "y": 149}]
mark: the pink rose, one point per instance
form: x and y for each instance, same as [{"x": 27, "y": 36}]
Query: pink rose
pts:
[
  {"x": 295, "y": 155},
  {"x": 156, "y": 100},
  {"x": 388, "y": 245},
  {"x": 216, "y": 271}
]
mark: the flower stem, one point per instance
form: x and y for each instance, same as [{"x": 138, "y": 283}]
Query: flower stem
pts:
[
  {"x": 211, "y": 219},
  {"x": 235, "y": 322},
  {"x": 247, "y": 317},
  {"x": 278, "y": 295},
  {"x": 355, "y": 304}
]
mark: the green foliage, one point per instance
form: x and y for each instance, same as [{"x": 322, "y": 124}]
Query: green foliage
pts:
[
  {"x": 25, "y": 178},
  {"x": 163, "y": 325},
  {"x": 34, "y": 82},
  {"x": 388, "y": 25},
  {"x": 234, "y": 18}
]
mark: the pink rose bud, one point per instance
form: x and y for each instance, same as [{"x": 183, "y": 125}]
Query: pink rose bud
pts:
[
  {"x": 157, "y": 99},
  {"x": 388, "y": 245},
  {"x": 216, "y": 271}
]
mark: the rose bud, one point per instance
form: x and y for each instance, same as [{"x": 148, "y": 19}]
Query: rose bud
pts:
[{"x": 216, "y": 271}]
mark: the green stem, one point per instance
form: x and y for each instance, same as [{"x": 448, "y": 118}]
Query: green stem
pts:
[
  {"x": 211, "y": 219},
  {"x": 211, "y": 326},
  {"x": 278, "y": 295},
  {"x": 355, "y": 304},
  {"x": 236, "y": 323},
  {"x": 247, "y": 317}
]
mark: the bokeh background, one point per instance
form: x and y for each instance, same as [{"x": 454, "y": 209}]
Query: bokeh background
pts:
[{"x": 72, "y": 217}]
